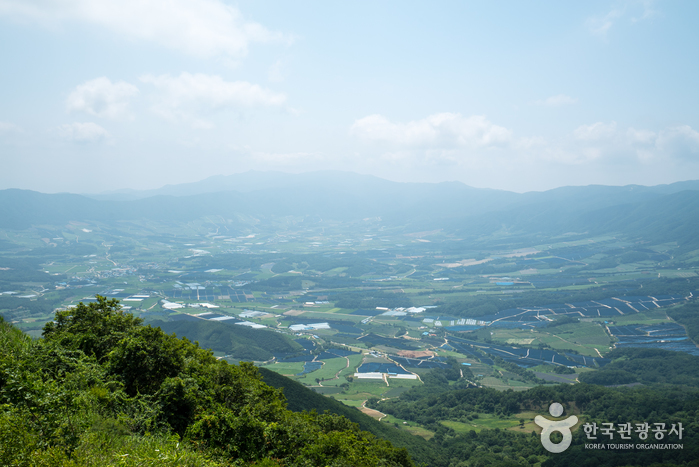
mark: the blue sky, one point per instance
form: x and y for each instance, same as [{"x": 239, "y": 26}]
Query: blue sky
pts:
[{"x": 100, "y": 95}]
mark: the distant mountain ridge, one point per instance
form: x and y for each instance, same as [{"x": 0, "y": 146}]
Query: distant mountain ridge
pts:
[
  {"x": 663, "y": 212},
  {"x": 256, "y": 180}
]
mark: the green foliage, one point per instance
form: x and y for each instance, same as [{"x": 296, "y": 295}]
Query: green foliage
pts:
[
  {"x": 145, "y": 359},
  {"x": 372, "y": 299},
  {"x": 13, "y": 342},
  {"x": 563, "y": 370},
  {"x": 609, "y": 377},
  {"x": 278, "y": 283},
  {"x": 22, "y": 269},
  {"x": 523, "y": 373},
  {"x": 282, "y": 266},
  {"x": 505, "y": 447},
  {"x": 561, "y": 321},
  {"x": 13, "y": 307},
  {"x": 240, "y": 342},
  {"x": 101, "y": 388},
  {"x": 94, "y": 328},
  {"x": 687, "y": 315},
  {"x": 300, "y": 398},
  {"x": 105, "y": 443},
  {"x": 647, "y": 366}
]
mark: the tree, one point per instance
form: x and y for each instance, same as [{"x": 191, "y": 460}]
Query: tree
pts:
[
  {"x": 94, "y": 328},
  {"x": 145, "y": 358},
  {"x": 103, "y": 385}
]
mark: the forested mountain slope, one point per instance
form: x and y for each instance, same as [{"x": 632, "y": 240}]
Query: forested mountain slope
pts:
[
  {"x": 243, "y": 342},
  {"x": 670, "y": 212}
]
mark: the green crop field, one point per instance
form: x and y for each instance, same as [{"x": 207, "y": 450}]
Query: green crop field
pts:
[
  {"x": 365, "y": 389},
  {"x": 355, "y": 361},
  {"x": 502, "y": 384},
  {"x": 583, "y": 337},
  {"x": 645, "y": 317},
  {"x": 485, "y": 421},
  {"x": 286, "y": 368},
  {"x": 328, "y": 371}
]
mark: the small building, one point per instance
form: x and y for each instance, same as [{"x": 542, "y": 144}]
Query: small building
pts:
[
  {"x": 374, "y": 375},
  {"x": 402, "y": 376}
]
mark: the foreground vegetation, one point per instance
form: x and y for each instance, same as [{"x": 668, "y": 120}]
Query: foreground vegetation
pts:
[{"x": 102, "y": 389}]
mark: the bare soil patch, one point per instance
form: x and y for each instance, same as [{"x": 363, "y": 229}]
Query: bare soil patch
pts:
[
  {"x": 372, "y": 413},
  {"x": 414, "y": 354},
  {"x": 294, "y": 312}
]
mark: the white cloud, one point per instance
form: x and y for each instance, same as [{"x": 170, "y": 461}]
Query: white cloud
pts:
[
  {"x": 557, "y": 101},
  {"x": 197, "y": 27},
  {"x": 82, "y": 132},
  {"x": 441, "y": 130},
  {"x": 102, "y": 98},
  {"x": 476, "y": 143},
  {"x": 12, "y": 134},
  {"x": 596, "y": 131},
  {"x": 644, "y": 10},
  {"x": 531, "y": 142},
  {"x": 186, "y": 97},
  {"x": 9, "y": 128},
  {"x": 640, "y": 136},
  {"x": 605, "y": 140},
  {"x": 600, "y": 25},
  {"x": 636, "y": 10},
  {"x": 681, "y": 141}
]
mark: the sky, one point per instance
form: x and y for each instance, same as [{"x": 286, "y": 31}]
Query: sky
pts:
[{"x": 101, "y": 95}]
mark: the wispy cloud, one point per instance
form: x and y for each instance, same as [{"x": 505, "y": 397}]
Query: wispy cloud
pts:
[
  {"x": 102, "y": 98},
  {"x": 644, "y": 10},
  {"x": 607, "y": 141},
  {"x": 12, "y": 134},
  {"x": 437, "y": 130},
  {"x": 600, "y": 25},
  {"x": 8, "y": 128},
  {"x": 475, "y": 142},
  {"x": 681, "y": 141},
  {"x": 596, "y": 131},
  {"x": 197, "y": 27},
  {"x": 191, "y": 97},
  {"x": 634, "y": 10},
  {"x": 88, "y": 132}
]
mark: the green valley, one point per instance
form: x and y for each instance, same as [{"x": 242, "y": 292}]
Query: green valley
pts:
[{"x": 439, "y": 332}]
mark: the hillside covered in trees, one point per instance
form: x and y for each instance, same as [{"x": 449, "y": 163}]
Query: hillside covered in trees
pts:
[
  {"x": 102, "y": 389},
  {"x": 243, "y": 342}
]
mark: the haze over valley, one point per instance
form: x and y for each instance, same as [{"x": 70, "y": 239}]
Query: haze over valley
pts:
[{"x": 376, "y": 288}]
